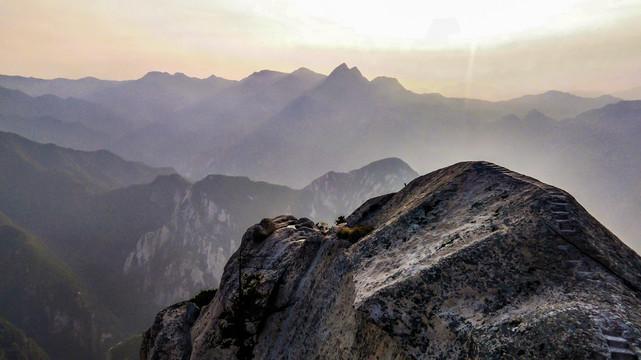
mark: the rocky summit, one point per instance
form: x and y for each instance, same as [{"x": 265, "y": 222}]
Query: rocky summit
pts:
[{"x": 472, "y": 261}]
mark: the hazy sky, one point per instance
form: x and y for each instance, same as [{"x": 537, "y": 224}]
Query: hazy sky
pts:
[{"x": 493, "y": 49}]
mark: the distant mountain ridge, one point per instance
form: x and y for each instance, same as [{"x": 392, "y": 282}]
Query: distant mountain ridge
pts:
[
  {"x": 50, "y": 183},
  {"x": 198, "y": 125},
  {"x": 292, "y": 128},
  {"x": 556, "y": 104},
  {"x": 188, "y": 252},
  {"x": 70, "y": 110},
  {"x": 469, "y": 261},
  {"x": 125, "y": 240},
  {"x": 101, "y": 214},
  {"x": 62, "y": 88}
]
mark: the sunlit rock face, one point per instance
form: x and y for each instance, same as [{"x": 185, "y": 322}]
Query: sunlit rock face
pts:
[{"x": 470, "y": 261}]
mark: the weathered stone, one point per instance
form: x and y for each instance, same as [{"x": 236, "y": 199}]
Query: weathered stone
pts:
[
  {"x": 284, "y": 220},
  {"x": 260, "y": 231},
  {"x": 267, "y": 227},
  {"x": 169, "y": 336},
  {"x": 305, "y": 222},
  {"x": 470, "y": 261},
  {"x": 189, "y": 252}
]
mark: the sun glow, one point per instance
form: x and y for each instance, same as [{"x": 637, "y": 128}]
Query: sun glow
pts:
[
  {"x": 450, "y": 46},
  {"x": 455, "y": 19}
]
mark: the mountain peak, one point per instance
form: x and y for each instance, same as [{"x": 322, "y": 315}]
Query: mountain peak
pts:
[
  {"x": 306, "y": 74},
  {"x": 556, "y": 93},
  {"x": 342, "y": 71},
  {"x": 180, "y": 75},
  {"x": 265, "y": 74},
  {"x": 264, "y": 77},
  {"x": 391, "y": 164},
  {"x": 341, "y": 67},
  {"x": 156, "y": 75},
  {"x": 302, "y": 71},
  {"x": 388, "y": 84},
  {"x": 493, "y": 253}
]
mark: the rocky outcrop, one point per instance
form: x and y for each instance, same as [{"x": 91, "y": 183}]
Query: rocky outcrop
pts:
[
  {"x": 471, "y": 261},
  {"x": 168, "y": 337},
  {"x": 189, "y": 252}
]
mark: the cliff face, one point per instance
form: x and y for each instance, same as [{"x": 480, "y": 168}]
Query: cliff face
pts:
[
  {"x": 189, "y": 252},
  {"x": 471, "y": 261}
]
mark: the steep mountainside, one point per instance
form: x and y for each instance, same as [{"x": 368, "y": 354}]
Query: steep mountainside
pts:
[
  {"x": 470, "y": 261},
  {"x": 52, "y": 184},
  {"x": 165, "y": 234},
  {"x": 14, "y": 345},
  {"x": 85, "y": 231},
  {"x": 42, "y": 297},
  {"x": 188, "y": 252},
  {"x": 107, "y": 230},
  {"x": 595, "y": 154},
  {"x": 90, "y": 243}
]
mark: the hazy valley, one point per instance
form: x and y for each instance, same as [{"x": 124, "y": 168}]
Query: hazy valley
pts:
[
  {"x": 292, "y": 128},
  {"x": 129, "y": 196}
]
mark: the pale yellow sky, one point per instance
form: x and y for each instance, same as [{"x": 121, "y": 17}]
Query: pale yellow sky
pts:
[{"x": 493, "y": 49}]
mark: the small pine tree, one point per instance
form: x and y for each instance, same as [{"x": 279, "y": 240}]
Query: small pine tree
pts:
[{"x": 340, "y": 220}]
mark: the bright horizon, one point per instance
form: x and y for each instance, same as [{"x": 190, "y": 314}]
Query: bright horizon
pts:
[{"x": 493, "y": 50}]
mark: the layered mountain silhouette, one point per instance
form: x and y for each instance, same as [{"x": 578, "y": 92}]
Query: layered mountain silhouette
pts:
[
  {"x": 70, "y": 110},
  {"x": 123, "y": 239},
  {"x": 133, "y": 237},
  {"x": 187, "y": 253},
  {"x": 49, "y": 183},
  {"x": 199, "y": 125},
  {"x": 59, "y": 233},
  {"x": 470, "y": 261}
]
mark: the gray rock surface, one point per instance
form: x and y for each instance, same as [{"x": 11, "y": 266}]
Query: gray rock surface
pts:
[
  {"x": 470, "y": 261},
  {"x": 189, "y": 252},
  {"x": 168, "y": 337}
]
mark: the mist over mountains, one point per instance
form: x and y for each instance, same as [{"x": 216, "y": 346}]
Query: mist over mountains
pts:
[
  {"x": 292, "y": 128},
  {"x": 94, "y": 245},
  {"x": 144, "y": 187}
]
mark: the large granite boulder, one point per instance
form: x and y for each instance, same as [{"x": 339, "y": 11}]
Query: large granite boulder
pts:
[{"x": 468, "y": 262}]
